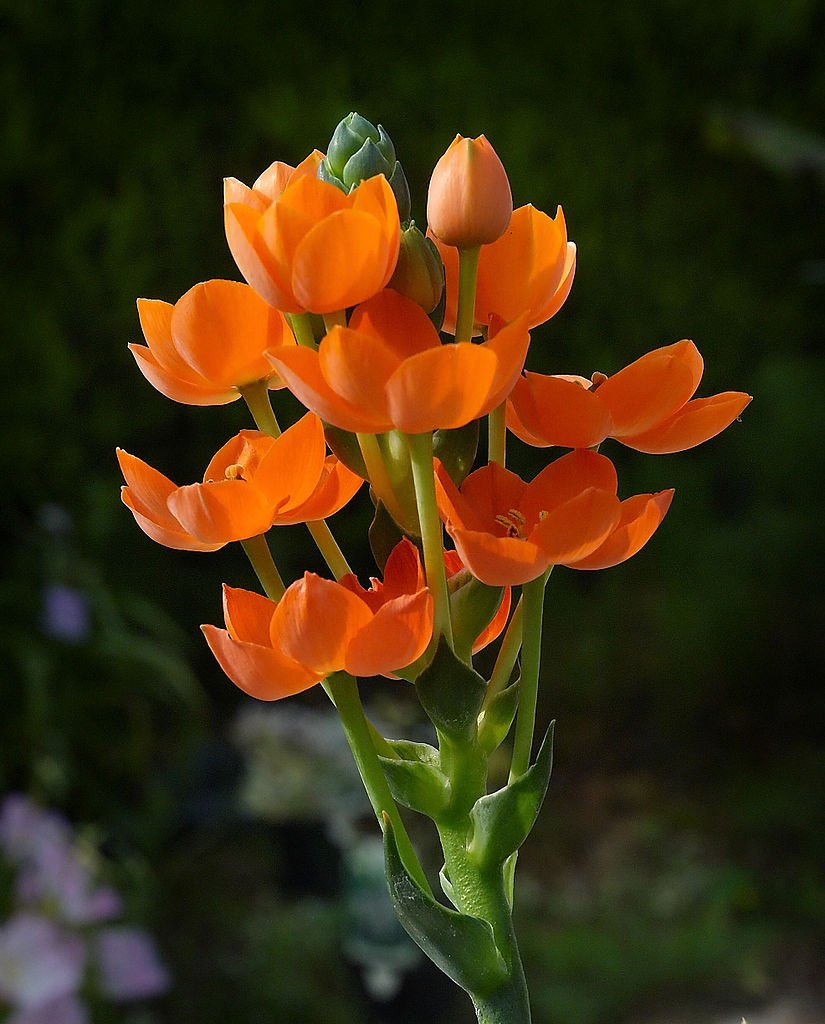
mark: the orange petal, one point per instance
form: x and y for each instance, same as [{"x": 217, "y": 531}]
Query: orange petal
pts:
[
  {"x": 403, "y": 573},
  {"x": 222, "y": 511},
  {"x": 395, "y": 637},
  {"x": 176, "y": 388},
  {"x": 694, "y": 423},
  {"x": 495, "y": 625},
  {"x": 452, "y": 507},
  {"x": 315, "y": 621},
  {"x": 262, "y": 672},
  {"x": 148, "y": 489},
  {"x": 170, "y": 537},
  {"x": 255, "y": 262},
  {"x": 291, "y": 469},
  {"x": 509, "y": 346},
  {"x": 557, "y": 412},
  {"x": 640, "y": 518},
  {"x": 492, "y": 491},
  {"x": 340, "y": 262},
  {"x": 559, "y": 298},
  {"x": 223, "y": 328},
  {"x": 358, "y": 367},
  {"x": 336, "y": 488},
  {"x": 652, "y": 388},
  {"x": 301, "y": 370},
  {"x": 247, "y": 615},
  {"x": 578, "y": 527},
  {"x": 566, "y": 478},
  {"x": 375, "y": 196},
  {"x": 402, "y": 325},
  {"x": 499, "y": 561},
  {"x": 246, "y": 449},
  {"x": 441, "y": 388}
]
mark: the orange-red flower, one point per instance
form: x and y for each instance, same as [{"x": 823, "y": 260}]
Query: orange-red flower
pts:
[
  {"x": 469, "y": 202},
  {"x": 389, "y": 369},
  {"x": 255, "y": 481},
  {"x": 646, "y": 406},
  {"x": 271, "y": 182},
  {"x": 311, "y": 247},
  {"x": 529, "y": 269},
  {"x": 509, "y": 532},
  {"x": 210, "y": 343},
  {"x": 271, "y": 650}
]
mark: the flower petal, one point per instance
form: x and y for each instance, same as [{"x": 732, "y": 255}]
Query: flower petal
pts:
[
  {"x": 499, "y": 561},
  {"x": 176, "y": 388},
  {"x": 640, "y": 518},
  {"x": 335, "y": 489},
  {"x": 398, "y": 322},
  {"x": 566, "y": 478},
  {"x": 358, "y": 367},
  {"x": 575, "y": 529},
  {"x": 221, "y": 511},
  {"x": 262, "y": 672},
  {"x": 490, "y": 492},
  {"x": 257, "y": 264},
  {"x": 247, "y": 615},
  {"x": 291, "y": 469},
  {"x": 693, "y": 424},
  {"x": 395, "y": 637},
  {"x": 557, "y": 412}
]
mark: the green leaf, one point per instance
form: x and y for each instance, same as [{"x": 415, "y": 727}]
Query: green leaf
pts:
[
  {"x": 451, "y": 693},
  {"x": 495, "y": 720},
  {"x": 411, "y": 751},
  {"x": 460, "y": 945},
  {"x": 503, "y": 820},
  {"x": 419, "y": 786}
]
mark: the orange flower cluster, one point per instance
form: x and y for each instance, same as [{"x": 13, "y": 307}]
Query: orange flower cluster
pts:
[{"x": 382, "y": 371}]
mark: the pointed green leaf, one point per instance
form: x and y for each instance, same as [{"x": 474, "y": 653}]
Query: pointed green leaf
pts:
[
  {"x": 412, "y": 751},
  {"x": 495, "y": 720},
  {"x": 451, "y": 693},
  {"x": 503, "y": 820},
  {"x": 460, "y": 945},
  {"x": 419, "y": 786}
]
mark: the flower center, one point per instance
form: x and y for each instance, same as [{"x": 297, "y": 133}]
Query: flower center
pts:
[
  {"x": 234, "y": 472},
  {"x": 513, "y": 522}
]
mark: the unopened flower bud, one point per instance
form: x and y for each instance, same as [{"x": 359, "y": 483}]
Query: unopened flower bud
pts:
[
  {"x": 419, "y": 273},
  {"x": 469, "y": 201},
  {"x": 357, "y": 151}
]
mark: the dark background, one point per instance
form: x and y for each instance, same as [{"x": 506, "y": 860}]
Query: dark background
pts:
[{"x": 679, "y": 856}]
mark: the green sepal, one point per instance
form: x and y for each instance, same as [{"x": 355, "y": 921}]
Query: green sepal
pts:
[
  {"x": 326, "y": 174},
  {"x": 503, "y": 820},
  {"x": 447, "y": 885},
  {"x": 383, "y": 535},
  {"x": 451, "y": 693},
  {"x": 365, "y": 163},
  {"x": 345, "y": 446},
  {"x": 462, "y": 946},
  {"x": 420, "y": 786},
  {"x": 409, "y": 750},
  {"x": 495, "y": 720},
  {"x": 456, "y": 450},
  {"x": 401, "y": 190},
  {"x": 472, "y": 606}
]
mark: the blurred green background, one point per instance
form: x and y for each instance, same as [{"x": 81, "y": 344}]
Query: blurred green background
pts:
[{"x": 679, "y": 857}]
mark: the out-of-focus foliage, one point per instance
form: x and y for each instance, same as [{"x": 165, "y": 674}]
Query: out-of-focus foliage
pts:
[{"x": 690, "y": 678}]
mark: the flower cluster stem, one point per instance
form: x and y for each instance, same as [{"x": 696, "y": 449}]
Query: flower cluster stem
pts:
[
  {"x": 257, "y": 400},
  {"x": 260, "y": 557},
  {"x": 343, "y": 692},
  {"x": 467, "y": 274},
  {"x": 497, "y": 434},
  {"x": 421, "y": 461},
  {"x": 507, "y": 655},
  {"x": 301, "y": 325}
]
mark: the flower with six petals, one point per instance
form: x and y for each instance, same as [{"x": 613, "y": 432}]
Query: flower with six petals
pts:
[
  {"x": 648, "y": 405},
  {"x": 509, "y": 532},
  {"x": 388, "y": 369},
  {"x": 252, "y": 483}
]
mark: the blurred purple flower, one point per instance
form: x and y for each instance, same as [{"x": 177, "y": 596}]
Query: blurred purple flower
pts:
[
  {"x": 65, "y": 1010},
  {"x": 39, "y": 961},
  {"x": 128, "y": 964},
  {"x": 65, "y": 613},
  {"x": 57, "y": 880},
  {"x": 25, "y": 828}
]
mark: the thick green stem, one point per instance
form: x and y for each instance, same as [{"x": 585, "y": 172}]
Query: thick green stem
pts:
[
  {"x": 343, "y": 691},
  {"x": 421, "y": 461},
  {"x": 301, "y": 325},
  {"x": 467, "y": 273},
  {"x": 533, "y": 597},
  {"x": 507, "y": 1005},
  {"x": 497, "y": 434},
  {"x": 259, "y": 555}
]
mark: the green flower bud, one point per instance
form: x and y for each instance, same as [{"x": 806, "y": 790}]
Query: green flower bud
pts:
[
  {"x": 357, "y": 151},
  {"x": 419, "y": 273}
]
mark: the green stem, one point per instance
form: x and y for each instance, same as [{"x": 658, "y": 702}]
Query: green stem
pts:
[
  {"x": 533, "y": 597},
  {"x": 260, "y": 557},
  {"x": 256, "y": 397},
  {"x": 301, "y": 324},
  {"x": 421, "y": 461},
  {"x": 335, "y": 319},
  {"x": 507, "y": 1005},
  {"x": 507, "y": 654},
  {"x": 379, "y": 477},
  {"x": 328, "y": 546},
  {"x": 497, "y": 434},
  {"x": 467, "y": 273},
  {"x": 343, "y": 691}
]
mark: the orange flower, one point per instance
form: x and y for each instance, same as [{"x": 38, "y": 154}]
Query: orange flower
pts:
[
  {"x": 469, "y": 202},
  {"x": 255, "y": 481},
  {"x": 311, "y": 247},
  {"x": 271, "y": 182},
  {"x": 389, "y": 369},
  {"x": 209, "y": 343},
  {"x": 271, "y": 650},
  {"x": 530, "y": 268},
  {"x": 646, "y": 406},
  {"x": 509, "y": 532}
]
